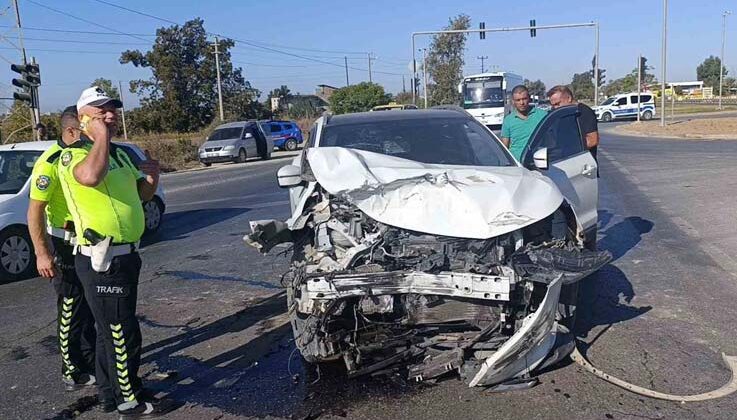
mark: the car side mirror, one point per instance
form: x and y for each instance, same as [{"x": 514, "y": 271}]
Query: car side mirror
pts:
[
  {"x": 248, "y": 136},
  {"x": 540, "y": 158},
  {"x": 289, "y": 176}
]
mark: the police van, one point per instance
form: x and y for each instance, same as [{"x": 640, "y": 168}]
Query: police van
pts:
[{"x": 625, "y": 106}]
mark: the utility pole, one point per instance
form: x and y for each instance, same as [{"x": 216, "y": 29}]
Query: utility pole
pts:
[
  {"x": 369, "y": 66},
  {"x": 663, "y": 62},
  {"x": 220, "y": 89},
  {"x": 424, "y": 74},
  {"x": 347, "y": 83},
  {"x": 122, "y": 110},
  {"x": 404, "y": 86},
  {"x": 34, "y": 117},
  {"x": 482, "y": 58},
  {"x": 596, "y": 65},
  {"x": 639, "y": 84},
  {"x": 721, "y": 59}
]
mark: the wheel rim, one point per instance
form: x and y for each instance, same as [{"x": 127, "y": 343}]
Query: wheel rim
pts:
[
  {"x": 242, "y": 155},
  {"x": 15, "y": 254},
  {"x": 291, "y": 145},
  {"x": 153, "y": 215}
]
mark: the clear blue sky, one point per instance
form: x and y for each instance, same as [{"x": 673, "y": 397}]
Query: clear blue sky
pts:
[{"x": 325, "y": 29}]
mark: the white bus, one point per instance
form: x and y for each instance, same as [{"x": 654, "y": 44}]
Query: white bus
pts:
[{"x": 488, "y": 96}]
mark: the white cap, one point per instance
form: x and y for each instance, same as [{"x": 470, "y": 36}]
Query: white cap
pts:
[{"x": 95, "y": 96}]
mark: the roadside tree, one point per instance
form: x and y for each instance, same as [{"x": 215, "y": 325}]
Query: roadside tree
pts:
[{"x": 445, "y": 63}]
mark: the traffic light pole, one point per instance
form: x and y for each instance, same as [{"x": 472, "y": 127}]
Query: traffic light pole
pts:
[
  {"x": 35, "y": 112},
  {"x": 594, "y": 25},
  {"x": 639, "y": 84}
]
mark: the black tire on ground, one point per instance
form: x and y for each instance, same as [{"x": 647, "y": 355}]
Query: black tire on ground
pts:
[
  {"x": 647, "y": 115},
  {"x": 154, "y": 212},
  {"x": 607, "y": 117},
  {"x": 290, "y": 145},
  {"x": 207, "y": 164},
  {"x": 241, "y": 156},
  {"x": 17, "y": 259}
]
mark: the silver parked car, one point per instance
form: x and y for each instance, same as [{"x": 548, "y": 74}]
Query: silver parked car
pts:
[
  {"x": 419, "y": 241},
  {"x": 236, "y": 142}
]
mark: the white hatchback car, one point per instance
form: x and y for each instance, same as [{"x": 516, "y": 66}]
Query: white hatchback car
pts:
[{"x": 17, "y": 259}]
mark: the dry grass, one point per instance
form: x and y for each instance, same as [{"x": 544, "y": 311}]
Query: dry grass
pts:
[{"x": 707, "y": 128}]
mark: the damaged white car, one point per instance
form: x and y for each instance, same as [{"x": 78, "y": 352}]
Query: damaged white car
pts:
[{"x": 420, "y": 244}]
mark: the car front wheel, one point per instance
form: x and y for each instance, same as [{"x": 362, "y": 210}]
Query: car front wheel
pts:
[
  {"x": 17, "y": 260},
  {"x": 607, "y": 117},
  {"x": 647, "y": 115},
  {"x": 153, "y": 211},
  {"x": 241, "y": 156}
]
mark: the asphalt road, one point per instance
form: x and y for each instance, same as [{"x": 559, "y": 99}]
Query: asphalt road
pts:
[{"x": 215, "y": 333}]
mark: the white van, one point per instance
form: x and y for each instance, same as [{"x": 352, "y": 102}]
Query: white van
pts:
[{"x": 625, "y": 106}]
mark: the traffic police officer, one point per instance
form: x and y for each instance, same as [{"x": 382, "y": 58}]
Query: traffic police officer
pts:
[
  {"x": 104, "y": 191},
  {"x": 76, "y": 327}
]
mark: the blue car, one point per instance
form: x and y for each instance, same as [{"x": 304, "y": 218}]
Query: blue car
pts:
[{"x": 285, "y": 134}]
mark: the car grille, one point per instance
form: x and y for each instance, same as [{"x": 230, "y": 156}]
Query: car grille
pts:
[{"x": 213, "y": 149}]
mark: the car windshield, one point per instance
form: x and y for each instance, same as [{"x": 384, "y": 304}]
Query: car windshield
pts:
[
  {"x": 226, "y": 134},
  {"x": 15, "y": 168},
  {"x": 608, "y": 101},
  {"x": 449, "y": 141},
  {"x": 483, "y": 93}
]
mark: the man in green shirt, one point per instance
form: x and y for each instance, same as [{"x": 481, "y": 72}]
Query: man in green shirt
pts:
[
  {"x": 103, "y": 190},
  {"x": 518, "y": 126},
  {"x": 48, "y": 216}
]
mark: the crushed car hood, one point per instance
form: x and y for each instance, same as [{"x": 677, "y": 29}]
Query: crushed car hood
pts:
[{"x": 460, "y": 201}]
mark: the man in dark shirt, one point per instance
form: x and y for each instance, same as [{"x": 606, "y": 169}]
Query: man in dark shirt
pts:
[{"x": 561, "y": 96}]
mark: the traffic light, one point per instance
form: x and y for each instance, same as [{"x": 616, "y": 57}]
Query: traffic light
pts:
[
  {"x": 482, "y": 26},
  {"x": 29, "y": 81},
  {"x": 602, "y": 77},
  {"x": 643, "y": 67},
  {"x": 533, "y": 31}
]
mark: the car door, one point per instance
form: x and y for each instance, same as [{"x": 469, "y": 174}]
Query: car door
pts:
[
  {"x": 250, "y": 142},
  {"x": 620, "y": 107},
  {"x": 570, "y": 165}
]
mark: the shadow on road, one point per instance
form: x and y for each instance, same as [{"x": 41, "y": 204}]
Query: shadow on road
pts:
[
  {"x": 605, "y": 297},
  {"x": 178, "y": 225},
  {"x": 264, "y": 377}
]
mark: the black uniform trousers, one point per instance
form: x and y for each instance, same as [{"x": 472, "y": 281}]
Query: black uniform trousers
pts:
[
  {"x": 75, "y": 324},
  {"x": 112, "y": 297}
]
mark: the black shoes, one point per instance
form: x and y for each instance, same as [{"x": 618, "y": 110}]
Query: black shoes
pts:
[{"x": 82, "y": 381}]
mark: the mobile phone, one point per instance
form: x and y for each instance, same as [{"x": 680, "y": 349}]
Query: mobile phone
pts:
[{"x": 84, "y": 122}]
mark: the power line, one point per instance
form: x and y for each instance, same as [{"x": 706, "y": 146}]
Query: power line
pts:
[
  {"x": 72, "y": 41},
  {"x": 67, "y": 51},
  {"x": 261, "y": 65},
  {"x": 61, "y": 12},
  {"x": 71, "y": 31},
  {"x": 251, "y": 43},
  {"x": 138, "y": 12}
]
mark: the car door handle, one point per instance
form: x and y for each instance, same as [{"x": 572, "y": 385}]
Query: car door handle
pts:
[{"x": 588, "y": 170}]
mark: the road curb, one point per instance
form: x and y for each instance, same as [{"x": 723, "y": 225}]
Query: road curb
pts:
[{"x": 621, "y": 132}]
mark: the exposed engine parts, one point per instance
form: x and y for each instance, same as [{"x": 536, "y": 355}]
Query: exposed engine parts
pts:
[{"x": 385, "y": 299}]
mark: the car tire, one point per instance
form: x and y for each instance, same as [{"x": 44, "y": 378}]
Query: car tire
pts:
[
  {"x": 647, "y": 115},
  {"x": 242, "y": 156},
  {"x": 607, "y": 117},
  {"x": 17, "y": 259},
  {"x": 290, "y": 145},
  {"x": 153, "y": 211},
  {"x": 206, "y": 164}
]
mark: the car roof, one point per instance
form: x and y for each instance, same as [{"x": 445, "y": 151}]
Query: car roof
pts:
[
  {"x": 30, "y": 145},
  {"x": 235, "y": 124},
  {"x": 366, "y": 117}
]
